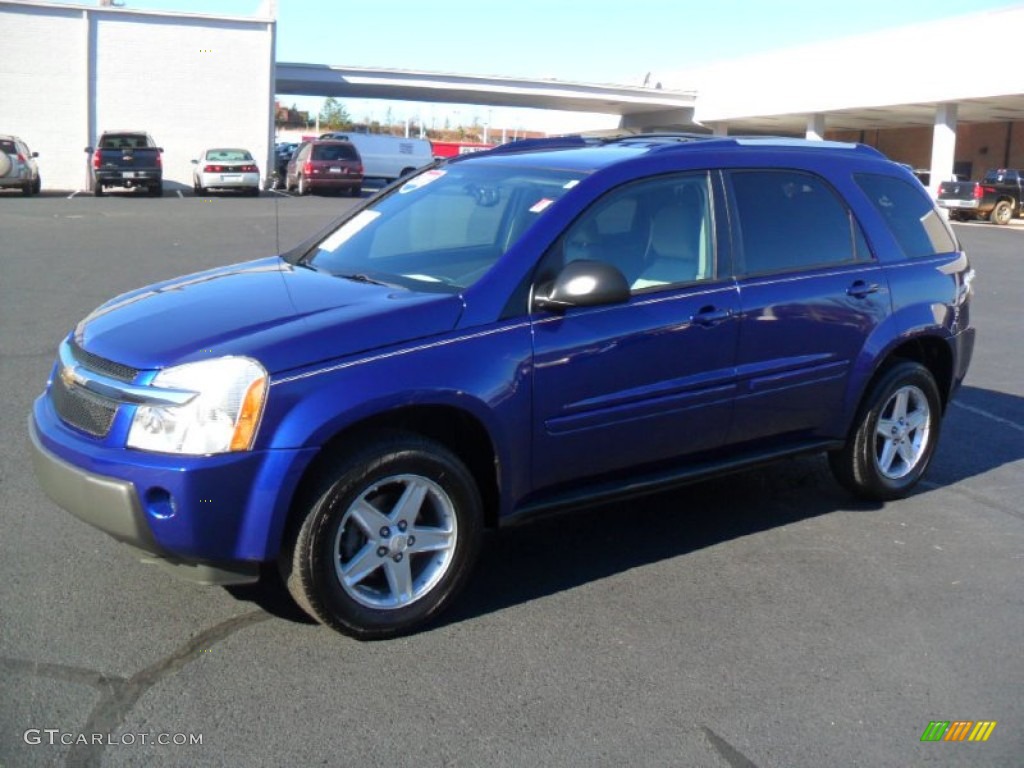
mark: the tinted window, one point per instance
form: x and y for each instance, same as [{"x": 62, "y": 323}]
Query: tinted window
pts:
[
  {"x": 334, "y": 152},
  {"x": 124, "y": 141},
  {"x": 910, "y": 215},
  {"x": 656, "y": 232},
  {"x": 792, "y": 220}
]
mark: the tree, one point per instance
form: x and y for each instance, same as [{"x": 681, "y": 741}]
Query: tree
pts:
[{"x": 334, "y": 116}]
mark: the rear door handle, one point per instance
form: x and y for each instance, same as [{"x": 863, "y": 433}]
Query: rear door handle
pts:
[
  {"x": 860, "y": 289},
  {"x": 708, "y": 316}
]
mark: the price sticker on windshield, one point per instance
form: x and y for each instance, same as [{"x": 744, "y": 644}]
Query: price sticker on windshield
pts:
[{"x": 428, "y": 177}]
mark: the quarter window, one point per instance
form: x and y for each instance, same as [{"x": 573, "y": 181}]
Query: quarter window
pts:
[
  {"x": 791, "y": 220},
  {"x": 909, "y": 214}
]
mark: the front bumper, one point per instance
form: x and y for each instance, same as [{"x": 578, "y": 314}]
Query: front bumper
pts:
[
  {"x": 212, "y": 518},
  {"x": 113, "y": 506}
]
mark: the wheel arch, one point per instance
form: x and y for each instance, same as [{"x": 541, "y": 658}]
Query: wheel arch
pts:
[
  {"x": 455, "y": 428},
  {"x": 931, "y": 351}
]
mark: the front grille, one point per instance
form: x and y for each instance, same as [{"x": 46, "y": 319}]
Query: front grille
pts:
[
  {"x": 102, "y": 365},
  {"x": 81, "y": 408}
]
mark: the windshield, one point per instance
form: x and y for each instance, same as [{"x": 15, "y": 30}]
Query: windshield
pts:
[{"x": 444, "y": 228}]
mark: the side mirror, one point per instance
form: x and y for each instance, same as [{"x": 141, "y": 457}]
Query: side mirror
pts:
[
  {"x": 88, "y": 149},
  {"x": 195, "y": 162},
  {"x": 583, "y": 283},
  {"x": 35, "y": 154}
]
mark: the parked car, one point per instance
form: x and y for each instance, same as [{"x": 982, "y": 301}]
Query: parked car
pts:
[
  {"x": 283, "y": 154},
  {"x": 18, "y": 166},
  {"x": 387, "y": 157},
  {"x": 524, "y": 330},
  {"x": 997, "y": 197},
  {"x": 223, "y": 169},
  {"x": 329, "y": 165},
  {"x": 128, "y": 159}
]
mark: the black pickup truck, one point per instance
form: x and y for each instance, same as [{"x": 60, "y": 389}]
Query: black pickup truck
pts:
[
  {"x": 127, "y": 159},
  {"x": 997, "y": 197}
]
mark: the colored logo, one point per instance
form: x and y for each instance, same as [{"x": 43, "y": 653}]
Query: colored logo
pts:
[{"x": 958, "y": 730}]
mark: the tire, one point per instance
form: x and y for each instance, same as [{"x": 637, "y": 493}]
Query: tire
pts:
[
  {"x": 356, "y": 191},
  {"x": 97, "y": 189},
  {"x": 894, "y": 437},
  {"x": 156, "y": 191},
  {"x": 38, "y": 186},
  {"x": 1002, "y": 213},
  {"x": 406, "y": 172},
  {"x": 355, "y": 521},
  {"x": 27, "y": 187},
  {"x": 303, "y": 186}
]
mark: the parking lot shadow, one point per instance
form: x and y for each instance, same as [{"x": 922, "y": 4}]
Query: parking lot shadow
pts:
[
  {"x": 983, "y": 430},
  {"x": 551, "y": 555}
]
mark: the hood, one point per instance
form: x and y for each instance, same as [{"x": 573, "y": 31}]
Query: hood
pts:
[{"x": 283, "y": 315}]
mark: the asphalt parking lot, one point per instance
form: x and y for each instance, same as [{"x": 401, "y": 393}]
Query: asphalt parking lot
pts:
[{"x": 761, "y": 620}]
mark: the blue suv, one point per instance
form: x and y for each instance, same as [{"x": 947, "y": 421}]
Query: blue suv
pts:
[{"x": 545, "y": 325}]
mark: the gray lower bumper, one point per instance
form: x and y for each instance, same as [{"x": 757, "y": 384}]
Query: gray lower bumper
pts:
[
  {"x": 103, "y": 502},
  {"x": 113, "y": 506}
]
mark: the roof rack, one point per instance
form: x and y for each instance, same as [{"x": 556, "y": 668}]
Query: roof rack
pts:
[{"x": 667, "y": 141}]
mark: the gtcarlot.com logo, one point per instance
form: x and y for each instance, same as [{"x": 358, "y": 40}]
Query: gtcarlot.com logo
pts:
[
  {"x": 958, "y": 730},
  {"x": 54, "y": 736}
]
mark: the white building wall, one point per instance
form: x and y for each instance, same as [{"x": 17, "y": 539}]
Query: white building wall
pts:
[
  {"x": 43, "y": 88},
  {"x": 191, "y": 81}
]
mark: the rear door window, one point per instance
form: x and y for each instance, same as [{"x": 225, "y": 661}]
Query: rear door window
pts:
[
  {"x": 910, "y": 215},
  {"x": 790, "y": 220}
]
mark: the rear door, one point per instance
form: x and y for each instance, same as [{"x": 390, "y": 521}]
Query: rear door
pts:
[{"x": 810, "y": 295}]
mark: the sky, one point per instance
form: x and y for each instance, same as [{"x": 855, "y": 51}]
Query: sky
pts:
[{"x": 575, "y": 40}]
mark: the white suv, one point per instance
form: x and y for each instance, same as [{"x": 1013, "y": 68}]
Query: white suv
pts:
[{"x": 18, "y": 167}]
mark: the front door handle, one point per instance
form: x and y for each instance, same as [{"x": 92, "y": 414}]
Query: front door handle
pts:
[
  {"x": 708, "y": 316},
  {"x": 860, "y": 289}
]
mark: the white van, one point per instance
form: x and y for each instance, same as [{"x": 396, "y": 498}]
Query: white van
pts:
[{"x": 387, "y": 157}]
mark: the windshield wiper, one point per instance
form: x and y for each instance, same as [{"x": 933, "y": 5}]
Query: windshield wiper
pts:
[{"x": 361, "y": 278}]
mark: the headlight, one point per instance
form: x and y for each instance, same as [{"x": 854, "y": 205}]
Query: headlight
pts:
[{"x": 223, "y": 416}]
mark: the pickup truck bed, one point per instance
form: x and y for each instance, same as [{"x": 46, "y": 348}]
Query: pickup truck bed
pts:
[{"x": 997, "y": 197}]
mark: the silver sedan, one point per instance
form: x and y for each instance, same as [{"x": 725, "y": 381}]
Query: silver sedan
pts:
[{"x": 226, "y": 169}]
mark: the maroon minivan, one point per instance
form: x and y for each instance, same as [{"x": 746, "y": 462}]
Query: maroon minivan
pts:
[{"x": 325, "y": 164}]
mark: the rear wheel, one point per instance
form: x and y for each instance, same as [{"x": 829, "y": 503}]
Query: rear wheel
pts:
[
  {"x": 389, "y": 538},
  {"x": 895, "y": 435},
  {"x": 356, "y": 191},
  {"x": 303, "y": 186},
  {"x": 27, "y": 187},
  {"x": 156, "y": 190},
  {"x": 1002, "y": 213},
  {"x": 38, "y": 186},
  {"x": 97, "y": 189}
]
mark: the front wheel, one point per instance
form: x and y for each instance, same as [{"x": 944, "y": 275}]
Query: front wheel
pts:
[
  {"x": 1002, "y": 213},
  {"x": 894, "y": 437},
  {"x": 389, "y": 538}
]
